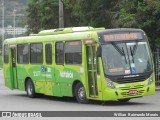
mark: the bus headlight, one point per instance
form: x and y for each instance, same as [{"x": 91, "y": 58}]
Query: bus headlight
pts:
[
  {"x": 150, "y": 79},
  {"x": 110, "y": 83}
]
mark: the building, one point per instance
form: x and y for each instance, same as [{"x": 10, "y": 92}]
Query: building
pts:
[{"x": 10, "y": 30}]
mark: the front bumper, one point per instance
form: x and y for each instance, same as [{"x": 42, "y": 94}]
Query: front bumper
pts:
[{"x": 122, "y": 91}]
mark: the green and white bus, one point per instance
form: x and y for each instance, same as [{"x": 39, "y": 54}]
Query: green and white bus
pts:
[{"x": 82, "y": 62}]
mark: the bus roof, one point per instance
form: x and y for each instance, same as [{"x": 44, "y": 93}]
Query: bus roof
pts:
[{"x": 73, "y": 33}]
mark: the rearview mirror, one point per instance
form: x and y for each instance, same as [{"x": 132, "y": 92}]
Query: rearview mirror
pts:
[{"x": 99, "y": 51}]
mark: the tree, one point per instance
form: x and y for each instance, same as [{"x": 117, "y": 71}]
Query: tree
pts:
[
  {"x": 71, "y": 19},
  {"x": 96, "y": 13},
  {"x": 49, "y": 14},
  {"x": 44, "y": 14},
  {"x": 33, "y": 21},
  {"x": 144, "y": 14}
]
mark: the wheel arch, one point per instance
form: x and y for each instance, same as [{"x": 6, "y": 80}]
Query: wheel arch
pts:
[
  {"x": 74, "y": 86},
  {"x": 26, "y": 79}
]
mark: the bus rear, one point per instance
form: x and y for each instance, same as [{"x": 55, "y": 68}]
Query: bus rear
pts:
[{"x": 126, "y": 63}]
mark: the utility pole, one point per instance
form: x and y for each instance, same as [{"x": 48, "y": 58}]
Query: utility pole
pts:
[
  {"x": 3, "y": 31},
  {"x": 61, "y": 19},
  {"x": 14, "y": 23}
]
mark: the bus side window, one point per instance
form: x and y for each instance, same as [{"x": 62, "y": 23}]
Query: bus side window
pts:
[
  {"x": 48, "y": 51},
  {"x": 73, "y": 52},
  {"x": 23, "y": 53},
  {"x": 59, "y": 53},
  {"x": 5, "y": 53},
  {"x": 36, "y": 53}
]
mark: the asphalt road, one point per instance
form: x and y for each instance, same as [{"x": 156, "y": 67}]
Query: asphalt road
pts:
[{"x": 14, "y": 100}]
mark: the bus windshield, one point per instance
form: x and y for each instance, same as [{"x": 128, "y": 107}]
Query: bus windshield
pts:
[{"x": 126, "y": 58}]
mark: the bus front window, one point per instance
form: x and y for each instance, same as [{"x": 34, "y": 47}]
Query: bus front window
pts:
[{"x": 126, "y": 58}]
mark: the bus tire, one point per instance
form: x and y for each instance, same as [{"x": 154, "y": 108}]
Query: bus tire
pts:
[
  {"x": 30, "y": 89},
  {"x": 80, "y": 94},
  {"x": 123, "y": 100}
]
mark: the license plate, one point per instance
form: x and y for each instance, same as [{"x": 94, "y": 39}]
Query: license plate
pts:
[{"x": 133, "y": 92}]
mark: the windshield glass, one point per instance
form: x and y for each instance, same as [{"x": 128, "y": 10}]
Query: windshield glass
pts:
[{"x": 126, "y": 58}]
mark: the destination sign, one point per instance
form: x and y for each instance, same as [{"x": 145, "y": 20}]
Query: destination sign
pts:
[{"x": 123, "y": 36}]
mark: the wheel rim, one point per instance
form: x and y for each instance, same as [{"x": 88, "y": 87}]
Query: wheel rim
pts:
[
  {"x": 30, "y": 89},
  {"x": 81, "y": 93}
]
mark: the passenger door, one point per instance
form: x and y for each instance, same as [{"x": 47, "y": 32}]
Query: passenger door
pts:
[
  {"x": 92, "y": 70},
  {"x": 13, "y": 66}
]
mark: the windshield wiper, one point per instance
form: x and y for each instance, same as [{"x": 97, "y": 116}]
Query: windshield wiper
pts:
[
  {"x": 133, "y": 51},
  {"x": 124, "y": 55},
  {"x": 118, "y": 49},
  {"x": 121, "y": 51}
]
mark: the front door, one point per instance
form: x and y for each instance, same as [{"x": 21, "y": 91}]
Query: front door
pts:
[
  {"x": 14, "y": 69},
  {"x": 92, "y": 70}
]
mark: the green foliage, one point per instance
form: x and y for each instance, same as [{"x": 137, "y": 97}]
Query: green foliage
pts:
[
  {"x": 70, "y": 17},
  {"x": 49, "y": 13},
  {"x": 44, "y": 14},
  {"x": 97, "y": 13},
  {"x": 144, "y": 14},
  {"x": 34, "y": 16}
]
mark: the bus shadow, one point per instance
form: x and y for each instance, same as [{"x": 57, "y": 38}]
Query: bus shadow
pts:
[
  {"x": 117, "y": 103},
  {"x": 49, "y": 98},
  {"x": 94, "y": 102},
  {"x": 60, "y": 99},
  {"x": 91, "y": 102}
]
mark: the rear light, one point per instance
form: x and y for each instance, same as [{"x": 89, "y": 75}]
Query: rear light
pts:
[{"x": 88, "y": 41}]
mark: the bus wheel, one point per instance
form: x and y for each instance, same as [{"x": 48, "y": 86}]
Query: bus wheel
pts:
[
  {"x": 80, "y": 94},
  {"x": 30, "y": 89},
  {"x": 123, "y": 100}
]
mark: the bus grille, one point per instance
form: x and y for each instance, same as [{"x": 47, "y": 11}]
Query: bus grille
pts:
[
  {"x": 125, "y": 92},
  {"x": 133, "y": 88},
  {"x": 131, "y": 80}
]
